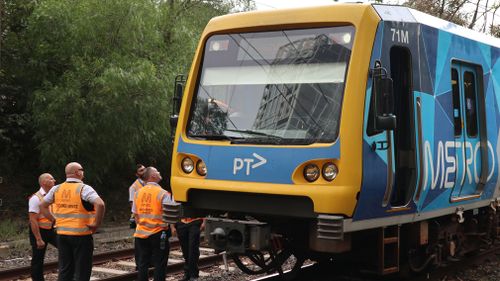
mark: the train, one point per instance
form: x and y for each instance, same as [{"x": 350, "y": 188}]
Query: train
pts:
[{"x": 353, "y": 132}]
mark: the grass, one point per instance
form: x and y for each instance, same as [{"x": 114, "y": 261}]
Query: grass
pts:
[{"x": 11, "y": 230}]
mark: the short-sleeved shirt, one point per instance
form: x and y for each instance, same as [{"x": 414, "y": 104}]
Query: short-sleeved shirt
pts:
[
  {"x": 131, "y": 190},
  {"x": 166, "y": 199},
  {"x": 88, "y": 193},
  {"x": 34, "y": 202}
]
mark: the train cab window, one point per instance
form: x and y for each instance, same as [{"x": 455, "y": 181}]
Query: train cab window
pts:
[
  {"x": 457, "y": 116},
  {"x": 470, "y": 103}
]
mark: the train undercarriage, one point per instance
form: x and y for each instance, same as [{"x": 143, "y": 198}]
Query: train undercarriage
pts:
[{"x": 269, "y": 244}]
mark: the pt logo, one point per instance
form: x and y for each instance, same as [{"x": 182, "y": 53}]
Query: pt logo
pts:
[{"x": 240, "y": 163}]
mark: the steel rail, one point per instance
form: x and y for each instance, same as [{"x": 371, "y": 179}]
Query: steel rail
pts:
[
  {"x": 171, "y": 268},
  {"x": 100, "y": 258}
]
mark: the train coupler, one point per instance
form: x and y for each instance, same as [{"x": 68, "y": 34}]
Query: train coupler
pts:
[{"x": 237, "y": 236}]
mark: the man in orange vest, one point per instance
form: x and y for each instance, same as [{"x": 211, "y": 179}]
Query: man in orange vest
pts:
[
  {"x": 132, "y": 190},
  {"x": 78, "y": 211},
  {"x": 41, "y": 229},
  {"x": 152, "y": 233},
  {"x": 188, "y": 231}
]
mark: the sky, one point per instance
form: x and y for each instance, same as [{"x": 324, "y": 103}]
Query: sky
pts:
[{"x": 275, "y": 4}]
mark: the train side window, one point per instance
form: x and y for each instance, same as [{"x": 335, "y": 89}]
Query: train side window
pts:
[
  {"x": 457, "y": 116},
  {"x": 470, "y": 103}
]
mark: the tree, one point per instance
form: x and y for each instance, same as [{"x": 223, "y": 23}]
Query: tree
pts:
[
  {"x": 16, "y": 149},
  {"x": 482, "y": 17},
  {"x": 108, "y": 67}
]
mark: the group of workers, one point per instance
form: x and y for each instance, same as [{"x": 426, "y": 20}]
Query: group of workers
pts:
[{"x": 66, "y": 216}]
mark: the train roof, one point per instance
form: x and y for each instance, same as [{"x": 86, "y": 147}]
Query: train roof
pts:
[
  {"x": 340, "y": 12},
  {"x": 405, "y": 14}
]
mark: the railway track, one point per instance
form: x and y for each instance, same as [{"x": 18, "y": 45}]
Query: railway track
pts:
[
  {"x": 105, "y": 265},
  {"x": 316, "y": 272}
]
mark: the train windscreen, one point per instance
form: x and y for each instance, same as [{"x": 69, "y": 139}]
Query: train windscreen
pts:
[{"x": 276, "y": 87}]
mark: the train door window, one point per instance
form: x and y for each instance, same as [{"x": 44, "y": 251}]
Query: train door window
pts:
[
  {"x": 470, "y": 103},
  {"x": 457, "y": 116},
  {"x": 469, "y": 129},
  {"x": 404, "y": 143}
]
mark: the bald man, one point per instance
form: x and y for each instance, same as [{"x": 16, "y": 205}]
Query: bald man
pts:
[
  {"x": 79, "y": 211},
  {"x": 41, "y": 228}
]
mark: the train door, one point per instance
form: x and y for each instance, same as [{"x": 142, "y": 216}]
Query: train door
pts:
[
  {"x": 405, "y": 157},
  {"x": 466, "y": 126}
]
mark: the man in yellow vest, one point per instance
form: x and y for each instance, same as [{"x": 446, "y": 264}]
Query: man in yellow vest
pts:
[
  {"x": 78, "y": 211},
  {"x": 132, "y": 190},
  {"x": 41, "y": 229},
  {"x": 152, "y": 233},
  {"x": 188, "y": 231}
]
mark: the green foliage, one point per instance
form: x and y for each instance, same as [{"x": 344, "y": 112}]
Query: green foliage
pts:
[
  {"x": 91, "y": 81},
  {"x": 12, "y": 230},
  {"x": 15, "y": 84}
]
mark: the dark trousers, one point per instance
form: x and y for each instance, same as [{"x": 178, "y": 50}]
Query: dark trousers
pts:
[
  {"x": 149, "y": 253},
  {"x": 189, "y": 238},
  {"x": 49, "y": 237},
  {"x": 75, "y": 257}
]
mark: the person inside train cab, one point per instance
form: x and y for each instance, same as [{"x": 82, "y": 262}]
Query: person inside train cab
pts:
[
  {"x": 78, "y": 212},
  {"x": 41, "y": 229},
  {"x": 152, "y": 232}
]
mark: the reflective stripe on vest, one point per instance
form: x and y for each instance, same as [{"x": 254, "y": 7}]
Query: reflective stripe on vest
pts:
[
  {"x": 149, "y": 210},
  {"x": 71, "y": 217},
  {"x": 43, "y": 222},
  {"x": 137, "y": 185},
  {"x": 188, "y": 220}
]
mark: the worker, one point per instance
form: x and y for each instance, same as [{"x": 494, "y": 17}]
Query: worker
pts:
[
  {"x": 78, "y": 211},
  {"x": 41, "y": 230},
  {"x": 152, "y": 232},
  {"x": 188, "y": 231},
  {"x": 132, "y": 190}
]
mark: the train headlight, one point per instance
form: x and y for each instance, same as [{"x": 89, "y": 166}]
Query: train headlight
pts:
[
  {"x": 187, "y": 165},
  {"x": 201, "y": 168},
  {"x": 311, "y": 172},
  {"x": 330, "y": 171}
]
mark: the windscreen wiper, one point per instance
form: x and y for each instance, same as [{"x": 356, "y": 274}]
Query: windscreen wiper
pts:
[
  {"x": 212, "y": 137},
  {"x": 255, "y": 133},
  {"x": 262, "y": 139}
]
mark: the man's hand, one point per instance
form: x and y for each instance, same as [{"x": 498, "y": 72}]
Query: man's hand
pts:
[
  {"x": 40, "y": 244},
  {"x": 93, "y": 227},
  {"x": 173, "y": 230}
]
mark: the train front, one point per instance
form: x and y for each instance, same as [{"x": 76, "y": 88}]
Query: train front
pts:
[{"x": 269, "y": 136}]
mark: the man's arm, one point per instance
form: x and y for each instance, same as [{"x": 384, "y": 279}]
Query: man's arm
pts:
[
  {"x": 44, "y": 209},
  {"x": 36, "y": 230},
  {"x": 99, "y": 208}
]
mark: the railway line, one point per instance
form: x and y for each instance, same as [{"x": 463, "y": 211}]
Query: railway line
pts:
[
  {"x": 322, "y": 272},
  {"x": 119, "y": 264}
]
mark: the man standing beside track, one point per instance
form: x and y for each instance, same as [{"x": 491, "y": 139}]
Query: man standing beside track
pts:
[
  {"x": 152, "y": 233},
  {"x": 188, "y": 231},
  {"x": 41, "y": 229},
  {"x": 132, "y": 190},
  {"x": 79, "y": 212}
]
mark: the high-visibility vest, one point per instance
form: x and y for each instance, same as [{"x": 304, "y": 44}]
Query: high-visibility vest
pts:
[
  {"x": 43, "y": 222},
  {"x": 188, "y": 220},
  {"x": 137, "y": 185},
  {"x": 71, "y": 217},
  {"x": 149, "y": 210}
]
